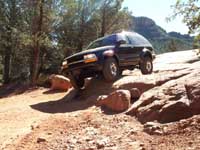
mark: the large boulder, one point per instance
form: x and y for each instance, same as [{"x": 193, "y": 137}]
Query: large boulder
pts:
[
  {"x": 59, "y": 82},
  {"x": 117, "y": 101},
  {"x": 174, "y": 111},
  {"x": 147, "y": 82},
  {"x": 174, "y": 100},
  {"x": 141, "y": 83},
  {"x": 193, "y": 93}
]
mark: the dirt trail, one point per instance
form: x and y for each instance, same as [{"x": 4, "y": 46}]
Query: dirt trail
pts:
[
  {"x": 67, "y": 120},
  {"x": 16, "y": 115}
]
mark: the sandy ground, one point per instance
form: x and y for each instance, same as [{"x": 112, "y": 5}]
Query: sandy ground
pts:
[{"x": 43, "y": 119}]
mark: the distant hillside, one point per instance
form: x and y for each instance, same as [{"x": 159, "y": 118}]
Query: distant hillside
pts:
[{"x": 161, "y": 40}]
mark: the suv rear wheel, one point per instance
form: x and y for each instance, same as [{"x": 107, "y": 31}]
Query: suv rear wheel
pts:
[
  {"x": 146, "y": 66},
  {"x": 111, "y": 69}
]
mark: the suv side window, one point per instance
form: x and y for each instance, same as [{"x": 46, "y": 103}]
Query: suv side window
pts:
[
  {"x": 132, "y": 40},
  {"x": 110, "y": 40},
  {"x": 128, "y": 39},
  {"x": 124, "y": 37},
  {"x": 137, "y": 39}
]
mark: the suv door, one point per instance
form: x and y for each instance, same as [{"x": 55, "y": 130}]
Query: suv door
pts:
[
  {"x": 126, "y": 52},
  {"x": 139, "y": 43}
]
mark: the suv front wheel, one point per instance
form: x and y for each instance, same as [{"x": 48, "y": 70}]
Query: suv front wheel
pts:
[
  {"x": 111, "y": 69},
  {"x": 77, "y": 82},
  {"x": 146, "y": 65}
]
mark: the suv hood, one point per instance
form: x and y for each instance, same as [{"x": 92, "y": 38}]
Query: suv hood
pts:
[{"x": 89, "y": 51}]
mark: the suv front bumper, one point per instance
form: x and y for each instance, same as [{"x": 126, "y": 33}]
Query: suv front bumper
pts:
[{"x": 83, "y": 67}]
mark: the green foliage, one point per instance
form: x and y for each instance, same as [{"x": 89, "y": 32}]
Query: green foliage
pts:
[
  {"x": 35, "y": 35},
  {"x": 86, "y": 20},
  {"x": 196, "y": 43},
  {"x": 171, "y": 44},
  {"x": 190, "y": 10}
]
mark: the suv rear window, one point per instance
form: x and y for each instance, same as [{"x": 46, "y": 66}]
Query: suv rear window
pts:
[{"x": 138, "y": 40}]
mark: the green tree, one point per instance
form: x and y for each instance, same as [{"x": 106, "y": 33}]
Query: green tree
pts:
[
  {"x": 40, "y": 19},
  {"x": 35, "y": 35},
  {"x": 10, "y": 27},
  {"x": 190, "y": 10},
  {"x": 112, "y": 17},
  {"x": 86, "y": 20},
  {"x": 196, "y": 43},
  {"x": 172, "y": 45}
]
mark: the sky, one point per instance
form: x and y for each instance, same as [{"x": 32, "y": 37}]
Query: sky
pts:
[{"x": 158, "y": 10}]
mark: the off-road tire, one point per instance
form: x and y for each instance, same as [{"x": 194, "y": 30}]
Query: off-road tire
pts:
[
  {"x": 77, "y": 82},
  {"x": 146, "y": 65},
  {"x": 111, "y": 70}
]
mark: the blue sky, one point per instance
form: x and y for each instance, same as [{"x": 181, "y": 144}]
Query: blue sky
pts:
[{"x": 157, "y": 10}]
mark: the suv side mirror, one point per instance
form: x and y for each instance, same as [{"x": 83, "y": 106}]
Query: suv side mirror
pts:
[{"x": 121, "y": 42}]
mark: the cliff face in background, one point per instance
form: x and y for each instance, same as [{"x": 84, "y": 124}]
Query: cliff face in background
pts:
[{"x": 161, "y": 40}]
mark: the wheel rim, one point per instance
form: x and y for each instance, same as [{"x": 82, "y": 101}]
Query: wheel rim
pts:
[
  {"x": 148, "y": 66},
  {"x": 113, "y": 69}
]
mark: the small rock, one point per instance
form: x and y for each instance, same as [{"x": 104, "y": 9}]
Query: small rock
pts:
[
  {"x": 100, "y": 100},
  {"x": 135, "y": 93},
  {"x": 153, "y": 128},
  {"x": 190, "y": 142},
  {"x": 32, "y": 127},
  {"x": 59, "y": 82},
  {"x": 132, "y": 132},
  {"x": 91, "y": 148},
  {"x": 72, "y": 146},
  {"x": 102, "y": 143},
  {"x": 87, "y": 139},
  {"x": 117, "y": 101},
  {"x": 41, "y": 139}
]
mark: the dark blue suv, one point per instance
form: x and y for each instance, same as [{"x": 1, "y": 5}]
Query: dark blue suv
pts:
[{"x": 109, "y": 56}]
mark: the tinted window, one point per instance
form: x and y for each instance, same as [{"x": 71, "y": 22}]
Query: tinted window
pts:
[
  {"x": 123, "y": 37},
  {"x": 106, "y": 41},
  {"x": 138, "y": 40}
]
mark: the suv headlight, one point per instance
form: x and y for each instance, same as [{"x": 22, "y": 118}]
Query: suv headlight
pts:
[
  {"x": 64, "y": 64},
  {"x": 90, "y": 58}
]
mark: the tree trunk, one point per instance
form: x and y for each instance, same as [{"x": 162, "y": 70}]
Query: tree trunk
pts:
[
  {"x": 7, "y": 60},
  {"x": 36, "y": 47},
  {"x": 103, "y": 23}
]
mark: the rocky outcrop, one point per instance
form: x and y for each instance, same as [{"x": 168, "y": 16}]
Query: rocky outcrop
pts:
[
  {"x": 117, "y": 101},
  {"x": 147, "y": 82},
  {"x": 174, "y": 100},
  {"x": 59, "y": 82},
  {"x": 193, "y": 93}
]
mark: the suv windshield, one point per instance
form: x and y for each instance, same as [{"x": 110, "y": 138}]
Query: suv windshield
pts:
[{"x": 105, "y": 41}]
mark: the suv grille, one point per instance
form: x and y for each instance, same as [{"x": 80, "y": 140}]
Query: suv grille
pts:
[
  {"x": 75, "y": 58},
  {"x": 76, "y": 61}
]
